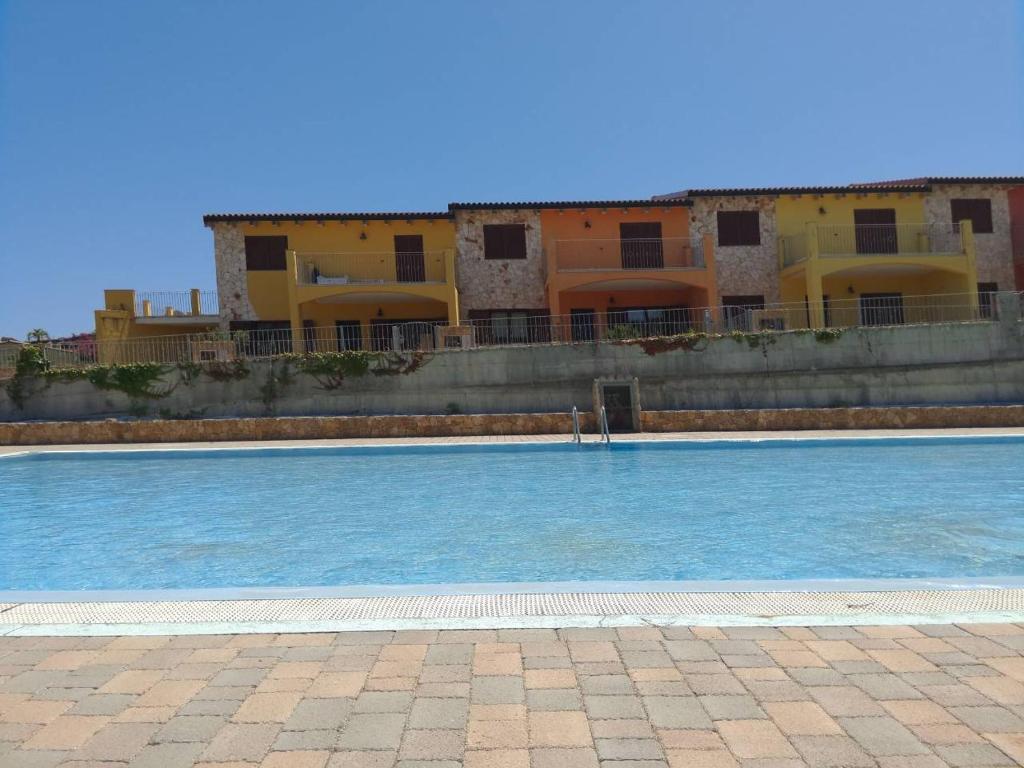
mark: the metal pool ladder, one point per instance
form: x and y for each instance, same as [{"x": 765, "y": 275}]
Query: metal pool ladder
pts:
[
  {"x": 575, "y": 425},
  {"x": 606, "y": 436}
]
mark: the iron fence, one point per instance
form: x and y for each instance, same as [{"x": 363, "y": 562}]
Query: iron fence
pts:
[
  {"x": 371, "y": 268},
  {"x": 597, "y": 254},
  {"x": 173, "y": 303},
  {"x": 524, "y": 329}
]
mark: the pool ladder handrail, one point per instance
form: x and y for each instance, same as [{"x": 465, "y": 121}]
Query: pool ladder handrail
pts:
[
  {"x": 606, "y": 436},
  {"x": 576, "y": 426}
]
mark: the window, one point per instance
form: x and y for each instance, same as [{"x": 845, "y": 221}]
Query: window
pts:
[
  {"x": 874, "y": 231},
  {"x": 265, "y": 252},
  {"x": 987, "y": 300},
  {"x": 640, "y": 245},
  {"x": 504, "y": 241},
  {"x": 739, "y": 228},
  {"x": 977, "y": 210},
  {"x": 738, "y": 311}
]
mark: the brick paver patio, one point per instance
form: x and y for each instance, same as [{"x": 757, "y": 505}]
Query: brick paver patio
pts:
[{"x": 896, "y": 697}]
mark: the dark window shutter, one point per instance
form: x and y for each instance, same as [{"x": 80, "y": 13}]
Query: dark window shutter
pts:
[
  {"x": 739, "y": 228},
  {"x": 977, "y": 210},
  {"x": 504, "y": 241},
  {"x": 265, "y": 252}
]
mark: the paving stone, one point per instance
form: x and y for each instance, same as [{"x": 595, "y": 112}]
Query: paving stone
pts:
[
  {"x": 362, "y": 759},
  {"x": 973, "y": 755},
  {"x": 383, "y": 701},
  {"x": 549, "y": 678},
  {"x": 989, "y": 719},
  {"x": 832, "y": 752},
  {"x": 802, "y": 718},
  {"x": 497, "y": 734},
  {"x": 439, "y": 713},
  {"x": 267, "y": 707},
  {"x": 628, "y": 749},
  {"x": 318, "y": 714},
  {"x": 608, "y": 707},
  {"x": 300, "y": 759},
  {"x": 885, "y": 686},
  {"x": 66, "y": 732},
  {"x": 690, "y": 650},
  {"x": 731, "y": 707},
  {"x": 190, "y": 728},
  {"x": 305, "y": 740},
  {"x": 496, "y": 758},
  {"x": 881, "y": 736},
  {"x": 755, "y": 739},
  {"x": 432, "y": 745},
  {"x": 498, "y": 690},
  {"x": 372, "y": 731},
  {"x": 559, "y": 729},
  {"x": 549, "y": 757},
  {"x": 700, "y": 758},
  {"x": 554, "y": 699},
  {"x": 715, "y": 684},
  {"x": 241, "y": 741},
  {"x": 621, "y": 729},
  {"x": 777, "y": 690},
  {"x": 117, "y": 742},
  {"x": 813, "y": 676},
  {"x": 676, "y": 712},
  {"x": 958, "y": 695},
  {"x": 168, "y": 756},
  {"x": 103, "y": 704}
]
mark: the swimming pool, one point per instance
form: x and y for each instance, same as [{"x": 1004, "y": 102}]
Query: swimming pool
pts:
[{"x": 778, "y": 509}]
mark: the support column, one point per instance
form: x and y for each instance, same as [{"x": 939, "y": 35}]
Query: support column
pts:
[
  {"x": 195, "y": 302},
  {"x": 971, "y": 256},
  {"x": 453, "y": 289},
  {"x": 294, "y": 316},
  {"x": 711, "y": 282},
  {"x": 812, "y": 276}
]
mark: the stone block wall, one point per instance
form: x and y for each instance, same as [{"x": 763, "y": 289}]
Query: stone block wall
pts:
[
  {"x": 995, "y": 249},
  {"x": 741, "y": 270},
  {"x": 232, "y": 280},
  {"x": 492, "y": 284}
]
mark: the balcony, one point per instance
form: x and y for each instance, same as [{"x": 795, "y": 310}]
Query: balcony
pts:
[
  {"x": 373, "y": 269},
  {"x": 870, "y": 240},
  {"x": 175, "y": 304},
  {"x": 629, "y": 255}
]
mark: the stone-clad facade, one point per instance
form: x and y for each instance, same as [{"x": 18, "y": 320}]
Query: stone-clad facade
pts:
[
  {"x": 994, "y": 249},
  {"x": 495, "y": 284},
  {"x": 232, "y": 281},
  {"x": 742, "y": 270}
]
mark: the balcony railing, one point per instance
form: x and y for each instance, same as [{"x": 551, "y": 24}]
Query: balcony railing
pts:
[
  {"x": 372, "y": 268},
  {"x": 599, "y": 255},
  {"x": 175, "y": 303},
  {"x": 835, "y": 241}
]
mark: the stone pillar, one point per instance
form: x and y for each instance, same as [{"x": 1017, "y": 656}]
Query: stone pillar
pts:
[{"x": 194, "y": 299}]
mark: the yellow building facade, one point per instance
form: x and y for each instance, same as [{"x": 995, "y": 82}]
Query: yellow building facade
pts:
[{"x": 870, "y": 257}]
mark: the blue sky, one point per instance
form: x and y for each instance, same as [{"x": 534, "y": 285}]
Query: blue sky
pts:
[{"x": 122, "y": 122}]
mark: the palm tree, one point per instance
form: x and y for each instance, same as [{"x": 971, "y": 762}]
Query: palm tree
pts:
[{"x": 38, "y": 335}]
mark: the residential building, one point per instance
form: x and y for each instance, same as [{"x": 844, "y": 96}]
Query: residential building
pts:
[{"x": 731, "y": 258}]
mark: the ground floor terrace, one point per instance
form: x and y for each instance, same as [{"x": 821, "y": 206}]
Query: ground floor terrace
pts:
[{"x": 893, "y": 696}]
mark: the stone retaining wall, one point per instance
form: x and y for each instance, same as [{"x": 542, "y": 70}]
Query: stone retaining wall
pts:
[{"x": 334, "y": 427}]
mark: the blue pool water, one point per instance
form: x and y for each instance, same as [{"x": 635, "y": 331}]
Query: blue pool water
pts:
[{"x": 433, "y": 514}]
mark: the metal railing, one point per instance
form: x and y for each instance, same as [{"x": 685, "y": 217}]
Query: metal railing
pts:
[
  {"x": 175, "y": 303},
  {"x": 873, "y": 240},
  {"x": 602, "y": 255},
  {"x": 371, "y": 268},
  {"x": 529, "y": 330},
  {"x": 576, "y": 436},
  {"x": 606, "y": 434}
]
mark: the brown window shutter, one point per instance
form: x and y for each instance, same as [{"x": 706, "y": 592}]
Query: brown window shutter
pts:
[
  {"x": 977, "y": 210},
  {"x": 266, "y": 252},
  {"x": 739, "y": 228},
  {"x": 504, "y": 241}
]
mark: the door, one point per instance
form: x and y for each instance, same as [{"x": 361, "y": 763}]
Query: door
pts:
[
  {"x": 875, "y": 230},
  {"x": 881, "y": 309},
  {"x": 399, "y": 335},
  {"x": 409, "y": 265},
  {"x": 350, "y": 335},
  {"x": 583, "y": 322},
  {"x": 618, "y": 405},
  {"x": 641, "y": 246}
]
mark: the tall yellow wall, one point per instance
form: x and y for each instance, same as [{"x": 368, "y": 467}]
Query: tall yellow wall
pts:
[
  {"x": 268, "y": 290},
  {"x": 794, "y": 212}
]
